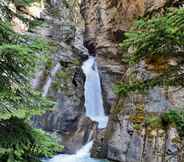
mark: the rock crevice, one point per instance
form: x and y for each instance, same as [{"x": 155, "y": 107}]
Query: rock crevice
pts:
[{"x": 127, "y": 137}]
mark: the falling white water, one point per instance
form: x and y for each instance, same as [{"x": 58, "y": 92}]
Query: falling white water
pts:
[
  {"x": 93, "y": 93},
  {"x": 49, "y": 81},
  {"x": 94, "y": 110},
  {"x": 85, "y": 150},
  {"x": 83, "y": 155}
]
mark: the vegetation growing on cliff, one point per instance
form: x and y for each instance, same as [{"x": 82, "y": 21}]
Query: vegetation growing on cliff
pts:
[
  {"x": 157, "y": 43},
  {"x": 18, "y": 102}
]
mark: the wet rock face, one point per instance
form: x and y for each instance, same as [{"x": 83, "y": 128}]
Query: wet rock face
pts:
[
  {"x": 127, "y": 137},
  {"x": 62, "y": 80},
  {"x": 142, "y": 145},
  {"x": 60, "y": 26},
  {"x": 135, "y": 132},
  {"x": 138, "y": 132},
  {"x": 99, "y": 149},
  {"x": 107, "y": 20},
  {"x": 84, "y": 133},
  {"x": 66, "y": 89},
  {"x": 110, "y": 73},
  {"x": 105, "y": 24}
]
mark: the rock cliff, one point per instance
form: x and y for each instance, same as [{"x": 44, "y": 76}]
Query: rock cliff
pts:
[
  {"x": 62, "y": 79},
  {"x": 105, "y": 24},
  {"x": 128, "y": 138},
  {"x": 131, "y": 135}
]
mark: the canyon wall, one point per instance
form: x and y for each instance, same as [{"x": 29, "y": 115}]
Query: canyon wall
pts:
[
  {"x": 105, "y": 24},
  {"x": 127, "y": 138},
  {"x": 107, "y": 20},
  {"x": 61, "y": 78}
]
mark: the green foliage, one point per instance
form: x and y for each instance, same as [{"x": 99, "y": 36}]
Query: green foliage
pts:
[
  {"x": 17, "y": 62},
  {"x": 153, "y": 121},
  {"x": 35, "y": 23},
  {"x": 6, "y": 33},
  {"x": 137, "y": 126},
  {"x": 19, "y": 56},
  {"x": 162, "y": 36},
  {"x": 4, "y": 10},
  {"x": 172, "y": 117},
  {"x": 23, "y": 2},
  {"x": 175, "y": 117},
  {"x": 156, "y": 41},
  {"x": 166, "y": 79},
  {"x": 21, "y": 143},
  {"x": 6, "y": 13}
]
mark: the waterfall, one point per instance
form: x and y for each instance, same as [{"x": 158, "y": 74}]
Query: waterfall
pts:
[
  {"x": 49, "y": 81},
  {"x": 83, "y": 155},
  {"x": 94, "y": 110},
  {"x": 93, "y": 95},
  {"x": 85, "y": 150}
]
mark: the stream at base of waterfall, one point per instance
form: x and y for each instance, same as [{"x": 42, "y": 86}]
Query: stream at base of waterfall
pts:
[{"x": 94, "y": 110}]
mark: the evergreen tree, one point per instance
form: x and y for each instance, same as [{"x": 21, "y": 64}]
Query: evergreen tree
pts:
[
  {"x": 19, "y": 142},
  {"x": 157, "y": 41}
]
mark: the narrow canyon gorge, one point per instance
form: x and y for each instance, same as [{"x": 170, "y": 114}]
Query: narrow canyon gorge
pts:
[
  {"x": 104, "y": 23},
  {"x": 87, "y": 61}
]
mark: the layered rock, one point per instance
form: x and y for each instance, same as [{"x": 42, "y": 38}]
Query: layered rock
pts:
[
  {"x": 128, "y": 138},
  {"x": 136, "y": 131},
  {"x": 62, "y": 80},
  {"x": 133, "y": 139},
  {"x": 139, "y": 133},
  {"x": 105, "y": 24},
  {"x": 106, "y": 21}
]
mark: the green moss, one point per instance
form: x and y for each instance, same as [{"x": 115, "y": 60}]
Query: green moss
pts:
[
  {"x": 76, "y": 62},
  {"x": 62, "y": 79},
  {"x": 137, "y": 118},
  {"x": 174, "y": 117},
  {"x": 63, "y": 75},
  {"x": 23, "y": 2},
  {"x": 117, "y": 108},
  {"x": 35, "y": 23},
  {"x": 177, "y": 140},
  {"x": 108, "y": 134},
  {"x": 139, "y": 115},
  {"x": 56, "y": 85},
  {"x": 49, "y": 64},
  {"x": 156, "y": 41},
  {"x": 55, "y": 12},
  {"x": 53, "y": 46},
  {"x": 153, "y": 121},
  {"x": 137, "y": 127}
]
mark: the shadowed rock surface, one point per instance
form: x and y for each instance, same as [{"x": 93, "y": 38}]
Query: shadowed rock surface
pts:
[
  {"x": 127, "y": 138},
  {"x": 66, "y": 85}
]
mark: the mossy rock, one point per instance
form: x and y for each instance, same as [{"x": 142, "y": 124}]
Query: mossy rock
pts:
[
  {"x": 137, "y": 127},
  {"x": 108, "y": 134},
  {"x": 139, "y": 116},
  {"x": 76, "y": 62},
  {"x": 55, "y": 12},
  {"x": 153, "y": 121},
  {"x": 118, "y": 107}
]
